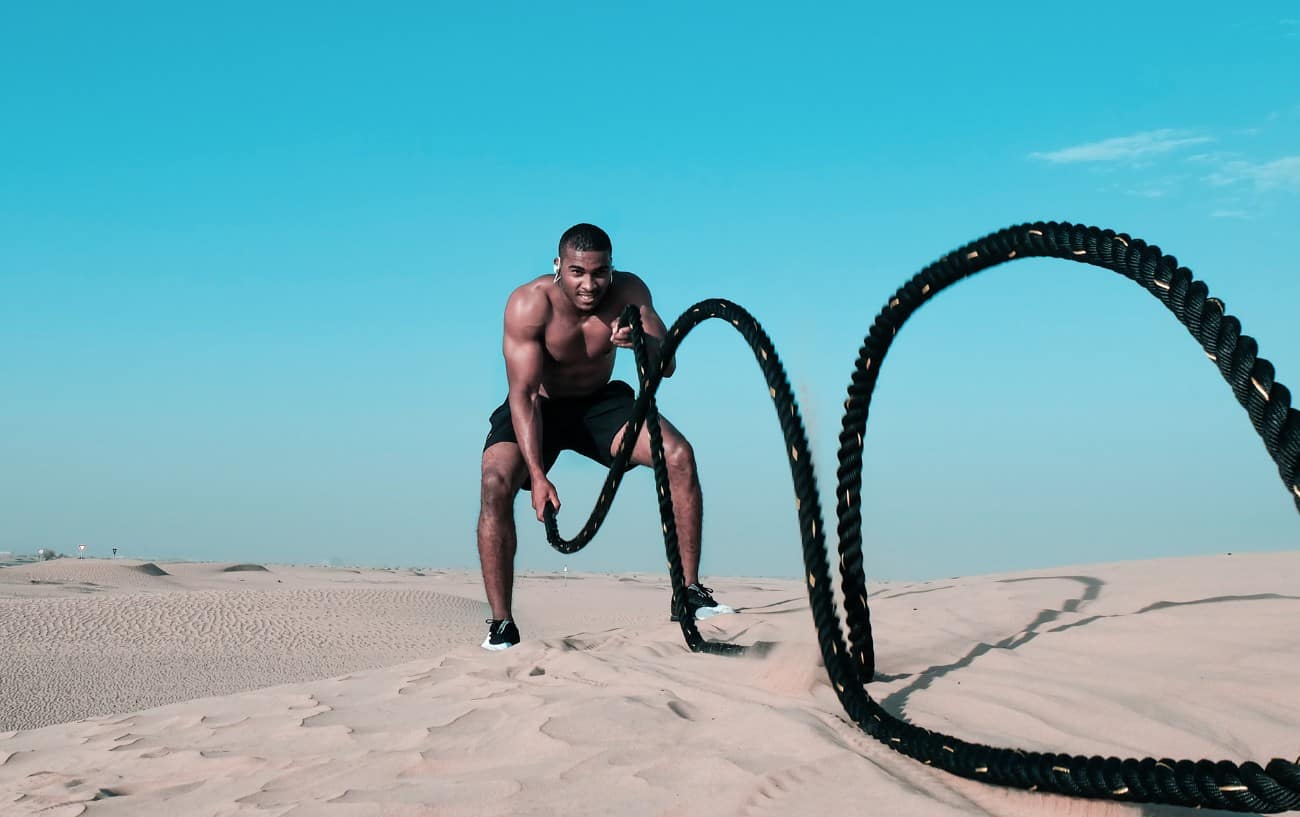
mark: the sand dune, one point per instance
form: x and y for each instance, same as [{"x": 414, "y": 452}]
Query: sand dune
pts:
[{"x": 602, "y": 710}]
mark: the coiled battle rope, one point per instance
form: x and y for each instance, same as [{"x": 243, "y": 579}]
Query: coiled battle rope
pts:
[{"x": 1222, "y": 784}]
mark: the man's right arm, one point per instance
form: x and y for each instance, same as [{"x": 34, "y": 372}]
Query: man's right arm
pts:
[{"x": 525, "y": 324}]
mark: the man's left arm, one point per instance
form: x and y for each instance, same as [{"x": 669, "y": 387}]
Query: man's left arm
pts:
[{"x": 651, "y": 323}]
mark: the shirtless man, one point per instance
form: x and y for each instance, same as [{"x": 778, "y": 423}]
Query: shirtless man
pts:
[{"x": 561, "y": 332}]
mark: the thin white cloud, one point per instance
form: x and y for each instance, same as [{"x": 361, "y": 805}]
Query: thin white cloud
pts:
[
  {"x": 1155, "y": 188},
  {"x": 1217, "y": 157},
  {"x": 1124, "y": 148},
  {"x": 1279, "y": 174},
  {"x": 1230, "y": 173},
  {"x": 1230, "y": 214}
]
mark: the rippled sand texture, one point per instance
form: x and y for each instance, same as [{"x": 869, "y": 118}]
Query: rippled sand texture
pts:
[
  {"x": 105, "y": 637},
  {"x": 603, "y": 711}
]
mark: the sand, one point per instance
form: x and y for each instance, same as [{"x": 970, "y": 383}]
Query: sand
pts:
[{"x": 139, "y": 689}]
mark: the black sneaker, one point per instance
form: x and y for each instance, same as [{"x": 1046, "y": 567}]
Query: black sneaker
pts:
[
  {"x": 700, "y": 601},
  {"x": 502, "y": 634}
]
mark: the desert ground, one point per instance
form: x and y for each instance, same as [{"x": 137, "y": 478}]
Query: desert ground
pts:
[{"x": 140, "y": 688}]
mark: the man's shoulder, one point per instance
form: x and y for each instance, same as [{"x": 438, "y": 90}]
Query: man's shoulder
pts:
[
  {"x": 536, "y": 291},
  {"x": 529, "y": 303},
  {"x": 633, "y": 286}
]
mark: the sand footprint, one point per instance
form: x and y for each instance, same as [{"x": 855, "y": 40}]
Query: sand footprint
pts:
[{"x": 777, "y": 787}]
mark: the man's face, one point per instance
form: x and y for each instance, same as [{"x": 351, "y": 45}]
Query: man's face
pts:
[{"x": 585, "y": 277}]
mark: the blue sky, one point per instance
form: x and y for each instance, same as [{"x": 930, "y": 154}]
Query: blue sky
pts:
[{"x": 253, "y": 262}]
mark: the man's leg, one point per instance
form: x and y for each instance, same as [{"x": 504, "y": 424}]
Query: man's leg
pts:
[
  {"x": 503, "y": 473},
  {"x": 684, "y": 482}
]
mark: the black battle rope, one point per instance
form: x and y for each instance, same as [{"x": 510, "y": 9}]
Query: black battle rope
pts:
[{"x": 1222, "y": 785}]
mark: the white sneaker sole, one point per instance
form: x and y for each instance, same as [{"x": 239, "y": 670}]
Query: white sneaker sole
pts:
[
  {"x": 702, "y": 613},
  {"x": 488, "y": 645}
]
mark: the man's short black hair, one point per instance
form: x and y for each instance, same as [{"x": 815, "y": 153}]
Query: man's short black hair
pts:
[{"x": 584, "y": 238}]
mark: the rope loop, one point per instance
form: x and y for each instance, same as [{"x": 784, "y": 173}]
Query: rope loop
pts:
[{"x": 1223, "y": 784}]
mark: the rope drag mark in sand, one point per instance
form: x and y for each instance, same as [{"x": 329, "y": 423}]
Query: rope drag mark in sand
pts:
[{"x": 1223, "y": 784}]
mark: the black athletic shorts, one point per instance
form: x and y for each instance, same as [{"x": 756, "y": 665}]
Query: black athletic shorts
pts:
[{"x": 586, "y": 425}]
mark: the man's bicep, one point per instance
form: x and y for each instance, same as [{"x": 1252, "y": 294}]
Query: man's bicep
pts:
[
  {"x": 650, "y": 320},
  {"x": 522, "y": 346},
  {"x": 653, "y": 324},
  {"x": 523, "y": 362}
]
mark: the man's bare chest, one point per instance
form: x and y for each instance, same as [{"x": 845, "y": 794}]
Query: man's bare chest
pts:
[{"x": 581, "y": 342}]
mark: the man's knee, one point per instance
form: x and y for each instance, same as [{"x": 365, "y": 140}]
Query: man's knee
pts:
[
  {"x": 498, "y": 488},
  {"x": 679, "y": 455}
]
